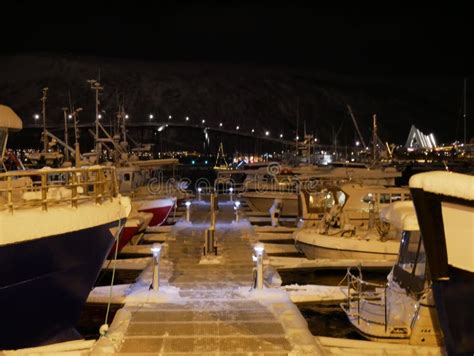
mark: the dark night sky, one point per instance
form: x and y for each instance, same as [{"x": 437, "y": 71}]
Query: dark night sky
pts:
[{"x": 371, "y": 40}]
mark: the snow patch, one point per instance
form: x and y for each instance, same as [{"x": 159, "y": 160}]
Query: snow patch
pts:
[{"x": 446, "y": 183}]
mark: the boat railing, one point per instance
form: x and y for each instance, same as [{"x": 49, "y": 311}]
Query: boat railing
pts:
[
  {"x": 363, "y": 292},
  {"x": 48, "y": 187}
]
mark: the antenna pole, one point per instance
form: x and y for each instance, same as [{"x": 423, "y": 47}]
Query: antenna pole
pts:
[
  {"x": 66, "y": 138},
  {"x": 43, "y": 112},
  {"x": 374, "y": 136},
  {"x": 95, "y": 85},
  {"x": 464, "y": 115}
]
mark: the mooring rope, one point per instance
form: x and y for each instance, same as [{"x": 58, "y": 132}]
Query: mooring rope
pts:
[{"x": 117, "y": 236}]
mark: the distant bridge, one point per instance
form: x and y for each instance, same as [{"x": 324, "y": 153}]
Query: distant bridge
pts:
[{"x": 171, "y": 123}]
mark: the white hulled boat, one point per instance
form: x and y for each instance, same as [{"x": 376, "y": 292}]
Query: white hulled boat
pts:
[{"x": 444, "y": 204}]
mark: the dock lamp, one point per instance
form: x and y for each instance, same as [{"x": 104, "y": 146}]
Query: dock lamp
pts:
[
  {"x": 188, "y": 210},
  {"x": 199, "y": 193},
  {"x": 231, "y": 190},
  {"x": 236, "y": 208},
  {"x": 259, "y": 249},
  {"x": 156, "y": 250}
]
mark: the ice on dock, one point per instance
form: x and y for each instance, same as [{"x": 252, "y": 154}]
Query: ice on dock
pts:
[{"x": 207, "y": 305}]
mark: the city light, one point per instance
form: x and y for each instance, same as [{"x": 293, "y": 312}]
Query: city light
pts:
[
  {"x": 203, "y": 121},
  {"x": 36, "y": 116},
  {"x": 357, "y": 143},
  {"x": 237, "y": 127},
  {"x": 150, "y": 116},
  {"x": 220, "y": 124},
  {"x": 281, "y": 135},
  {"x": 126, "y": 116},
  {"x": 297, "y": 138},
  {"x": 267, "y": 133},
  {"x": 187, "y": 118},
  {"x": 170, "y": 117}
]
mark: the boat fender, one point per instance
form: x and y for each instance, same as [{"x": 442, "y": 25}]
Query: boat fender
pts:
[{"x": 103, "y": 329}]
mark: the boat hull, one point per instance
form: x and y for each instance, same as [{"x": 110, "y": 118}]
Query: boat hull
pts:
[
  {"x": 45, "y": 282},
  {"x": 317, "y": 246},
  {"x": 263, "y": 202},
  {"x": 126, "y": 235},
  {"x": 160, "y": 208}
]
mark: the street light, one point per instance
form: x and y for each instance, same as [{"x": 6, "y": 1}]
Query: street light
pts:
[
  {"x": 281, "y": 135},
  {"x": 237, "y": 127},
  {"x": 259, "y": 249},
  {"x": 150, "y": 116},
  {"x": 188, "y": 212},
  {"x": 156, "y": 250},
  {"x": 36, "y": 116},
  {"x": 253, "y": 130},
  {"x": 187, "y": 118},
  {"x": 267, "y": 133},
  {"x": 170, "y": 117},
  {"x": 236, "y": 208},
  {"x": 220, "y": 124}
]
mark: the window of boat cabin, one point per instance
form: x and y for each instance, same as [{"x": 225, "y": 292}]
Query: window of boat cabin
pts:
[
  {"x": 384, "y": 198},
  {"x": 321, "y": 201},
  {"x": 3, "y": 141},
  {"x": 126, "y": 177},
  {"x": 396, "y": 197},
  {"x": 411, "y": 267}
]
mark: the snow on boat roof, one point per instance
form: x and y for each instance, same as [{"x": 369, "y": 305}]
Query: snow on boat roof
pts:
[
  {"x": 9, "y": 119},
  {"x": 446, "y": 183},
  {"x": 402, "y": 215}
]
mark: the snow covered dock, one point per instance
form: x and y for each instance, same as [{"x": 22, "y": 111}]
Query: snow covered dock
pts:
[{"x": 207, "y": 305}]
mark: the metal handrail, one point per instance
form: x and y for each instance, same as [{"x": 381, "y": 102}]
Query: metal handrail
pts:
[
  {"x": 98, "y": 184},
  {"x": 356, "y": 283}
]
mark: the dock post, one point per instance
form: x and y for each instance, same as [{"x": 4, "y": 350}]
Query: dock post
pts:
[
  {"x": 156, "y": 250},
  {"x": 259, "y": 249},
  {"x": 231, "y": 190},
  {"x": 199, "y": 193},
  {"x": 236, "y": 208},
  {"x": 209, "y": 241},
  {"x": 188, "y": 211},
  {"x": 214, "y": 208}
]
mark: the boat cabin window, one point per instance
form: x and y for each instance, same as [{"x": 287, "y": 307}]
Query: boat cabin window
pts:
[
  {"x": 384, "y": 198},
  {"x": 126, "y": 177},
  {"x": 396, "y": 197},
  {"x": 323, "y": 200},
  {"x": 406, "y": 196},
  {"x": 410, "y": 270},
  {"x": 3, "y": 140}
]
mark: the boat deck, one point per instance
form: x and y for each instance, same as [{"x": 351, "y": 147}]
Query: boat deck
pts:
[{"x": 207, "y": 305}]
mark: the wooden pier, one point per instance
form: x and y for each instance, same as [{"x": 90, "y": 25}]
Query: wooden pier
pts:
[{"x": 207, "y": 304}]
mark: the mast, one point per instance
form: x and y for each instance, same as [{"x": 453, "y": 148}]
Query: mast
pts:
[
  {"x": 96, "y": 86},
  {"x": 464, "y": 115},
  {"x": 43, "y": 112},
  {"x": 66, "y": 138},
  {"x": 297, "y": 123},
  {"x": 374, "y": 137},
  {"x": 356, "y": 126}
]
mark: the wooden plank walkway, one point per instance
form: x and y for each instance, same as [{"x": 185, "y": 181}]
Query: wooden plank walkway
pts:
[{"x": 208, "y": 305}]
